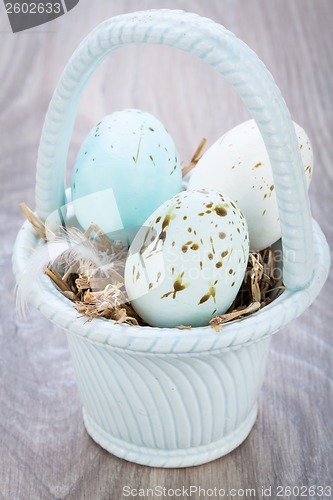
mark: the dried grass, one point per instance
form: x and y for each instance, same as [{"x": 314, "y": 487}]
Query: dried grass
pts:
[
  {"x": 93, "y": 279},
  {"x": 195, "y": 158},
  {"x": 97, "y": 291},
  {"x": 259, "y": 288}
]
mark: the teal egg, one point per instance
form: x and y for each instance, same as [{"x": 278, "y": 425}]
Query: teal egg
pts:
[{"x": 127, "y": 167}]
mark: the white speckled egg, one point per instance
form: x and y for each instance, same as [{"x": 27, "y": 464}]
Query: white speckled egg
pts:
[
  {"x": 126, "y": 168},
  {"x": 187, "y": 263},
  {"x": 237, "y": 164}
]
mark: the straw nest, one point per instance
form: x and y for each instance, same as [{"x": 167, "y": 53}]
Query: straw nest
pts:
[{"x": 90, "y": 273}]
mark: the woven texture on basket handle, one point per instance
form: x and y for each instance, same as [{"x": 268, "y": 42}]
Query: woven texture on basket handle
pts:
[{"x": 239, "y": 65}]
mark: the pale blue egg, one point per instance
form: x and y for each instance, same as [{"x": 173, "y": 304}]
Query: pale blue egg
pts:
[{"x": 127, "y": 167}]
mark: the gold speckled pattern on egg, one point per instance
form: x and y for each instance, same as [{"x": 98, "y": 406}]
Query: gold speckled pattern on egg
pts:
[
  {"x": 237, "y": 164},
  {"x": 187, "y": 264}
]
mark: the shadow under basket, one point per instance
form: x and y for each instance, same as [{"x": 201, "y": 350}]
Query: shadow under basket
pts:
[{"x": 170, "y": 397}]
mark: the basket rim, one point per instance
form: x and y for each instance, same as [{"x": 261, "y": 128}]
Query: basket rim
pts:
[{"x": 59, "y": 310}]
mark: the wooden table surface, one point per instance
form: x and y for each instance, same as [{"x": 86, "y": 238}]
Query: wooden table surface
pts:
[{"x": 45, "y": 452}]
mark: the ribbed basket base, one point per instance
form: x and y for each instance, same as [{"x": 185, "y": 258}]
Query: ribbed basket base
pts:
[{"x": 170, "y": 458}]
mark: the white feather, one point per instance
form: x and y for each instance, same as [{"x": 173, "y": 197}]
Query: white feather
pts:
[{"x": 73, "y": 246}]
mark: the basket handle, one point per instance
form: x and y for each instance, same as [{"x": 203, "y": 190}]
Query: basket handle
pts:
[{"x": 239, "y": 65}]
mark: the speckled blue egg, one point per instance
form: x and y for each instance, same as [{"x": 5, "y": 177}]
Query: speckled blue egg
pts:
[{"x": 127, "y": 167}]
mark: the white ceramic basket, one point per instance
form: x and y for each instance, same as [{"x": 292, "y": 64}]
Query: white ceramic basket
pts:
[{"x": 168, "y": 397}]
